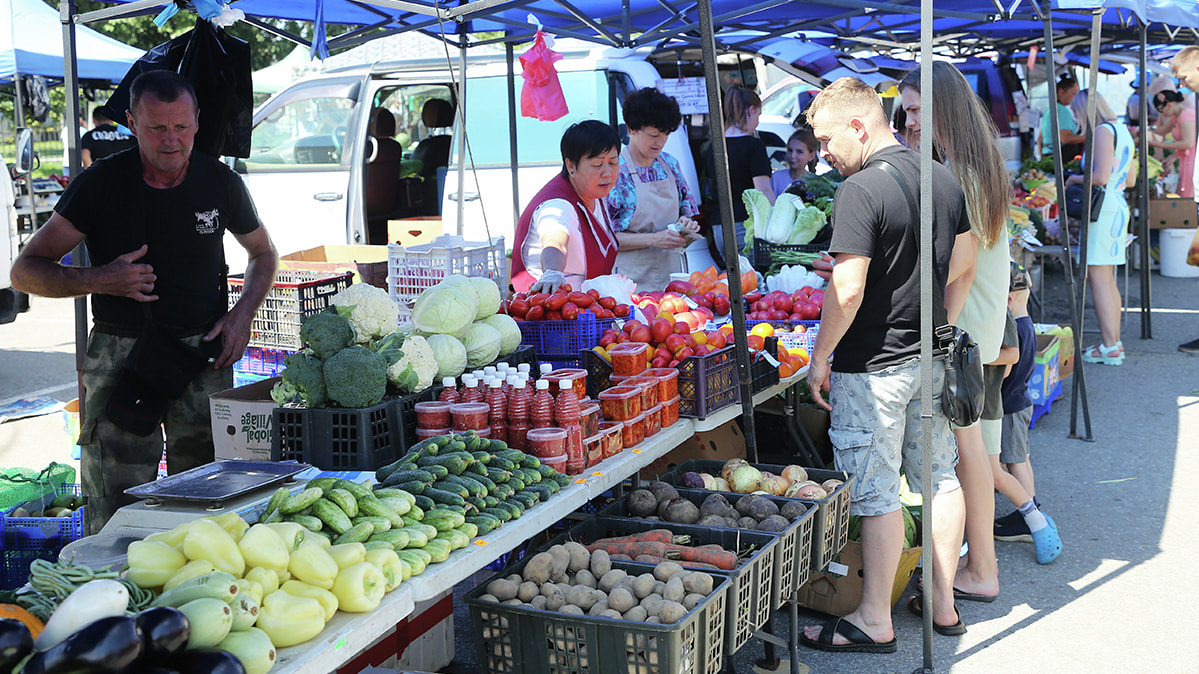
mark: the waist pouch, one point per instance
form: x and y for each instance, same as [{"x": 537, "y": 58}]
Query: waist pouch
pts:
[{"x": 158, "y": 370}]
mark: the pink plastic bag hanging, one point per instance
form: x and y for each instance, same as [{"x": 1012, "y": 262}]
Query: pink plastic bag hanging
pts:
[{"x": 541, "y": 97}]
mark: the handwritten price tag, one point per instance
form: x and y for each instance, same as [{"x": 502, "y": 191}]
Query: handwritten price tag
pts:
[
  {"x": 636, "y": 451},
  {"x": 581, "y": 480},
  {"x": 598, "y": 474},
  {"x": 769, "y": 359},
  {"x": 480, "y": 542}
]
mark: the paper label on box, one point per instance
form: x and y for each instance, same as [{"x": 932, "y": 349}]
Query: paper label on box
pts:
[{"x": 838, "y": 569}]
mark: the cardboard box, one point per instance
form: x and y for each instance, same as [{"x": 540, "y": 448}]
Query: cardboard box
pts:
[
  {"x": 1045, "y": 374},
  {"x": 369, "y": 263},
  {"x": 241, "y": 421},
  {"x": 838, "y": 589},
  {"x": 1065, "y": 353},
  {"x": 720, "y": 444},
  {"x": 1167, "y": 213},
  {"x": 413, "y": 231}
]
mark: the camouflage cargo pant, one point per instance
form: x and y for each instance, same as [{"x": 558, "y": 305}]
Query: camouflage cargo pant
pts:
[{"x": 113, "y": 459}]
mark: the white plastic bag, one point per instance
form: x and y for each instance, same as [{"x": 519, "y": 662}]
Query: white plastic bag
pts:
[{"x": 612, "y": 285}]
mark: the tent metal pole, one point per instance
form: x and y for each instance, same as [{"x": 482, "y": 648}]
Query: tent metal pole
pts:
[
  {"x": 725, "y": 190},
  {"x": 513, "y": 156},
  {"x": 461, "y": 120},
  {"x": 1143, "y": 186},
  {"x": 1067, "y": 260},
  {"x": 927, "y": 103},
  {"x": 66, "y": 10}
]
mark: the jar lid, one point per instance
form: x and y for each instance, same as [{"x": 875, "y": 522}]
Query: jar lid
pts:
[
  {"x": 661, "y": 373},
  {"x": 611, "y": 426},
  {"x": 620, "y": 393},
  {"x": 546, "y": 433},
  {"x": 434, "y": 406},
  {"x": 469, "y": 408}
]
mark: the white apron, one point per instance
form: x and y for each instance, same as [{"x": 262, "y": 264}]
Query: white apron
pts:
[{"x": 657, "y": 207}]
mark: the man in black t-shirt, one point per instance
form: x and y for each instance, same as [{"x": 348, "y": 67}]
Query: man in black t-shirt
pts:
[
  {"x": 871, "y": 318},
  {"x": 104, "y": 139},
  {"x": 153, "y": 222}
]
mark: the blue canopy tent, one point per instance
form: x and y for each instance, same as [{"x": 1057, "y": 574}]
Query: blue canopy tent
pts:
[{"x": 31, "y": 44}]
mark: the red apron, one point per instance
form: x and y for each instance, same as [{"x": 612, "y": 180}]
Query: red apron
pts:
[{"x": 599, "y": 243}]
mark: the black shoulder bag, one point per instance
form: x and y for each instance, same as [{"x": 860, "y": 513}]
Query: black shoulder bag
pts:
[{"x": 963, "y": 392}]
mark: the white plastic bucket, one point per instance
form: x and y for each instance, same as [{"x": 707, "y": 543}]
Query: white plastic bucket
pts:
[{"x": 1174, "y": 246}]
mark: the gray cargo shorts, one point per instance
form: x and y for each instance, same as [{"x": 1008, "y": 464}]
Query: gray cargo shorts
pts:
[
  {"x": 113, "y": 460},
  {"x": 876, "y": 434}
]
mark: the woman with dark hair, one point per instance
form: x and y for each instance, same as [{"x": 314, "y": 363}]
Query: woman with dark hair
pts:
[
  {"x": 1176, "y": 118},
  {"x": 651, "y": 194},
  {"x": 749, "y": 166},
  {"x": 802, "y": 154},
  {"x": 564, "y": 235}
]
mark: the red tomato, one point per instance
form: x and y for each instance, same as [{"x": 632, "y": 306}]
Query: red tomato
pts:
[
  {"x": 538, "y": 299},
  {"x": 535, "y": 313},
  {"x": 518, "y": 308},
  {"x": 570, "y": 311},
  {"x": 553, "y": 315},
  {"x": 608, "y": 303},
  {"x": 581, "y": 300},
  {"x": 621, "y": 310},
  {"x": 565, "y": 287},
  {"x": 594, "y": 294},
  {"x": 556, "y": 301},
  {"x": 503, "y": 307}
]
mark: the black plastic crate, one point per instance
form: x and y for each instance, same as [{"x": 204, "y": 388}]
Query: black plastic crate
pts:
[
  {"x": 763, "y": 373},
  {"x": 524, "y": 353},
  {"x": 791, "y": 567},
  {"x": 296, "y": 294},
  {"x": 831, "y": 529},
  {"x": 708, "y": 383},
  {"x": 340, "y": 438},
  {"x": 599, "y": 372},
  {"x": 764, "y": 251},
  {"x": 524, "y": 640},
  {"x": 749, "y": 605}
]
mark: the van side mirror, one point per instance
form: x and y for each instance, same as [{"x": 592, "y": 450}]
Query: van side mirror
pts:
[{"x": 27, "y": 159}]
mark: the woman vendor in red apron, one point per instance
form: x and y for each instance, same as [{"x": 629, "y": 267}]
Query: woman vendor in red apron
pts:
[
  {"x": 651, "y": 194},
  {"x": 564, "y": 236}
]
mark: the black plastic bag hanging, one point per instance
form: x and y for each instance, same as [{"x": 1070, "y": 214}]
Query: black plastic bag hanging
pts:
[
  {"x": 218, "y": 67},
  {"x": 37, "y": 95}
]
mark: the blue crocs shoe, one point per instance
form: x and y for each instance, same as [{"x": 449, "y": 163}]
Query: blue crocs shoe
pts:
[{"x": 1047, "y": 542}]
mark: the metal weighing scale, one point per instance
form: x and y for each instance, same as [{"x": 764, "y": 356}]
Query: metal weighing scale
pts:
[{"x": 216, "y": 488}]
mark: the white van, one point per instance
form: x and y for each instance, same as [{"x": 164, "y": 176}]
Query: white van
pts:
[
  {"x": 318, "y": 152},
  {"x": 12, "y": 302}
]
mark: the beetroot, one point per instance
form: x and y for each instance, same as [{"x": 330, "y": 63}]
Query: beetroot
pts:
[{"x": 642, "y": 503}]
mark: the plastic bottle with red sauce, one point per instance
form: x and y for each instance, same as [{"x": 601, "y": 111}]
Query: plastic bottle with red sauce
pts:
[
  {"x": 541, "y": 411},
  {"x": 497, "y": 406},
  {"x": 545, "y": 368},
  {"x": 566, "y": 412},
  {"x": 449, "y": 392},
  {"x": 518, "y": 414},
  {"x": 471, "y": 393}
]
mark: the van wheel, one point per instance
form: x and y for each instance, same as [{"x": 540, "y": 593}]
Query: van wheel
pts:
[{"x": 12, "y": 302}]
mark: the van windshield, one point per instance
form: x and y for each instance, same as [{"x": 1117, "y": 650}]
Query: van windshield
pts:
[
  {"x": 303, "y": 132},
  {"x": 537, "y": 142}
]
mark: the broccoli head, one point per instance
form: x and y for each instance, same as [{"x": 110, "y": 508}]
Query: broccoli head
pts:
[
  {"x": 356, "y": 377},
  {"x": 325, "y": 333},
  {"x": 302, "y": 381}
]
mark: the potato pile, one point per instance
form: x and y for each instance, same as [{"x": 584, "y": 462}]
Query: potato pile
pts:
[
  {"x": 752, "y": 511},
  {"x": 569, "y": 579}
]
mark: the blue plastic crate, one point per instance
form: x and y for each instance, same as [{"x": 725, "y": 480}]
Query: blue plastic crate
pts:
[
  {"x": 28, "y": 538},
  {"x": 563, "y": 340},
  {"x": 793, "y": 340},
  {"x": 1040, "y": 410}
]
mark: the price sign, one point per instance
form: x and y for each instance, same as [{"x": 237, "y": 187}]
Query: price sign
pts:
[
  {"x": 480, "y": 542},
  {"x": 690, "y": 92}
]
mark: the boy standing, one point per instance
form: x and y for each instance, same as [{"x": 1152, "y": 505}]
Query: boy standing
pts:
[{"x": 1017, "y": 410}]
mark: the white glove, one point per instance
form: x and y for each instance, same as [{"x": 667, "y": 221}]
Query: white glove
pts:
[{"x": 550, "y": 281}]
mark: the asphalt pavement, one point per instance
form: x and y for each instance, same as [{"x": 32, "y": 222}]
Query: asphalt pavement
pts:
[{"x": 1121, "y": 598}]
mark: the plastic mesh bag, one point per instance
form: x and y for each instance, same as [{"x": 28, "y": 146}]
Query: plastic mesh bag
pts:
[{"x": 21, "y": 485}]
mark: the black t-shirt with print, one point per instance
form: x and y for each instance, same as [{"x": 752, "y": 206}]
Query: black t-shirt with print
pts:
[
  {"x": 871, "y": 217},
  {"x": 105, "y": 140},
  {"x": 184, "y": 226},
  {"x": 747, "y": 159}
]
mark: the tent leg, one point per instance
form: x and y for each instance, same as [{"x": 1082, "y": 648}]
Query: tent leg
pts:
[{"x": 1143, "y": 191}]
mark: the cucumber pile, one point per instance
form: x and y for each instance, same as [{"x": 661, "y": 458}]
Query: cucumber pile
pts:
[{"x": 480, "y": 479}]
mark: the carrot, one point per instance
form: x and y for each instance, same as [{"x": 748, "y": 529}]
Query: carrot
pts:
[
  {"x": 654, "y": 535},
  {"x": 719, "y": 557},
  {"x": 632, "y": 548}
]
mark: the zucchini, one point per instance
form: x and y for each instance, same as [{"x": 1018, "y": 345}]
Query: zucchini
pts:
[{"x": 215, "y": 585}]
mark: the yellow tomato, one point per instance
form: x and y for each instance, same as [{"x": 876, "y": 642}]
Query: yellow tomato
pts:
[{"x": 762, "y": 330}]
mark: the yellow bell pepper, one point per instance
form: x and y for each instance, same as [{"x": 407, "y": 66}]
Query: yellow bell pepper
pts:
[
  {"x": 359, "y": 588},
  {"x": 291, "y": 533},
  {"x": 389, "y": 563},
  {"x": 173, "y": 538},
  {"x": 313, "y": 565},
  {"x": 232, "y": 523},
  {"x": 347, "y": 554},
  {"x": 152, "y": 563},
  {"x": 261, "y": 546},
  {"x": 282, "y": 576},
  {"x": 207, "y": 540},
  {"x": 289, "y": 620},
  {"x": 249, "y": 587},
  {"x": 200, "y": 567},
  {"x": 327, "y": 599},
  {"x": 267, "y": 579}
]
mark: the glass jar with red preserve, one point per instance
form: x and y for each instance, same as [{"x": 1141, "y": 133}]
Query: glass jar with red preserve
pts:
[
  {"x": 546, "y": 443},
  {"x": 629, "y": 358},
  {"x": 670, "y": 412},
  {"x": 668, "y": 381},
  {"x": 633, "y": 431},
  {"x": 432, "y": 414},
  {"x": 621, "y": 403},
  {"x": 469, "y": 416}
]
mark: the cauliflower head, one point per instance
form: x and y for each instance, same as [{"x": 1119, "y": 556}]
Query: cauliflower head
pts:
[
  {"x": 369, "y": 309},
  {"x": 356, "y": 377},
  {"x": 415, "y": 370}
]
